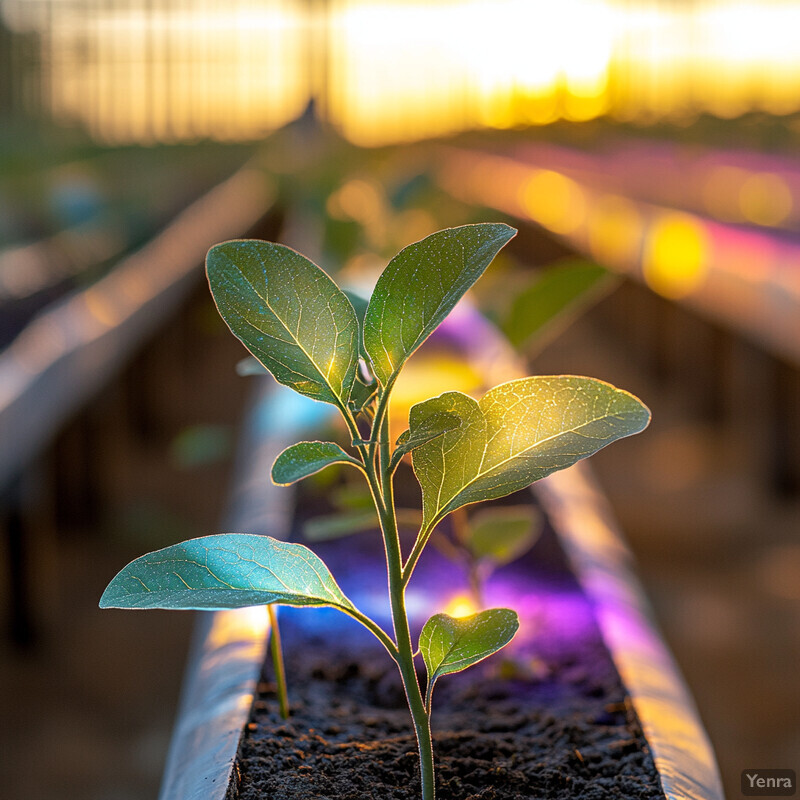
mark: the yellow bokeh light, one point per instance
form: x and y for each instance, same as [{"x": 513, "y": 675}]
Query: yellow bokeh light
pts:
[
  {"x": 554, "y": 201},
  {"x": 676, "y": 255},
  {"x": 239, "y": 625},
  {"x": 427, "y": 375},
  {"x": 460, "y": 606},
  {"x": 765, "y": 199},
  {"x": 615, "y": 231},
  {"x": 358, "y": 200}
]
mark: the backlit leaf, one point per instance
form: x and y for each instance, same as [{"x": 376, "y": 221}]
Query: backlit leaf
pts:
[
  {"x": 519, "y": 432},
  {"x": 305, "y": 458},
  {"x": 419, "y": 288},
  {"x": 449, "y": 644},
  {"x": 228, "y": 570},
  {"x": 289, "y": 314},
  {"x": 429, "y": 429}
]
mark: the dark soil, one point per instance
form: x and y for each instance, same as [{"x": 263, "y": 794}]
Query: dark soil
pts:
[
  {"x": 562, "y": 731},
  {"x": 546, "y": 718}
]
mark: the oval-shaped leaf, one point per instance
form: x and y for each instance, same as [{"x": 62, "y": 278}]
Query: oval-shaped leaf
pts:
[
  {"x": 519, "y": 432},
  {"x": 501, "y": 535},
  {"x": 305, "y": 458},
  {"x": 289, "y": 314},
  {"x": 228, "y": 570},
  {"x": 419, "y": 288},
  {"x": 450, "y": 644}
]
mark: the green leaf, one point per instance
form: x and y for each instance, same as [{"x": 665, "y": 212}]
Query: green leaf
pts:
[
  {"x": 450, "y": 645},
  {"x": 519, "y": 432},
  {"x": 553, "y": 299},
  {"x": 360, "y": 305},
  {"x": 501, "y": 535},
  {"x": 419, "y": 288},
  {"x": 289, "y": 314},
  {"x": 430, "y": 428},
  {"x": 362, "y": 394},
  {"x": 305, "y": 458},
  {"x": 228, "y": 570},
  {"x": 337, "y": 526}
]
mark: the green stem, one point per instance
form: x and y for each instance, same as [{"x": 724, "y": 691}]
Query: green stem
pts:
[
  {"x": 379, "y": 427},
  {"x": 355, "y": 434},
  {"x": 428, "y": 698},
  {"x": 277, "y": 661},
  {"x": 405, "y": 650}
]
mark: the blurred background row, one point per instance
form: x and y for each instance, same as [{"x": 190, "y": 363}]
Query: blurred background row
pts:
[{"x": 649, "y": 148}]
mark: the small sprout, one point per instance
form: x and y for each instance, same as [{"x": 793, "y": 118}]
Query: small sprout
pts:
[{"x": 340, "y": 349}]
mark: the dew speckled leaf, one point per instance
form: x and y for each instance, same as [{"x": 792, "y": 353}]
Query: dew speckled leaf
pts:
[
  {"x": 419, "y": 288},
  {"x": 519, "y": 432},
  {"x": 430, "y": 428},
  {"x": 305, "y": 458},
  {"x": 449, "y": 644},
  {"x": 289, "y": 314},
  {"x": 229, "y": 570}
]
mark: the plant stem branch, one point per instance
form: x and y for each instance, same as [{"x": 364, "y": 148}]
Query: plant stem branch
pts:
[
  {"x": 277, "y": 661},
  {"x": 380, "y": 417},
  {"x": 408, "y": 673}
]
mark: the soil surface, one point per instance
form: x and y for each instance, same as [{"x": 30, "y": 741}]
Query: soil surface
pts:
[
  {"x": 562, "y": 731},
  {"x": 546, "y": 718}
]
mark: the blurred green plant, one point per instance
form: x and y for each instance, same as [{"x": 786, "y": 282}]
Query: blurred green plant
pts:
[{"x": 553, "y": 300}]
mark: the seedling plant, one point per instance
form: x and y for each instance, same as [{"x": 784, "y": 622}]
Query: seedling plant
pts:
[{"x": 337, "y": 349}]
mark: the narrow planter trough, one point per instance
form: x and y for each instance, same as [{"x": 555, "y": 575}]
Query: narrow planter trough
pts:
[{"x": 586, "y": 702}]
